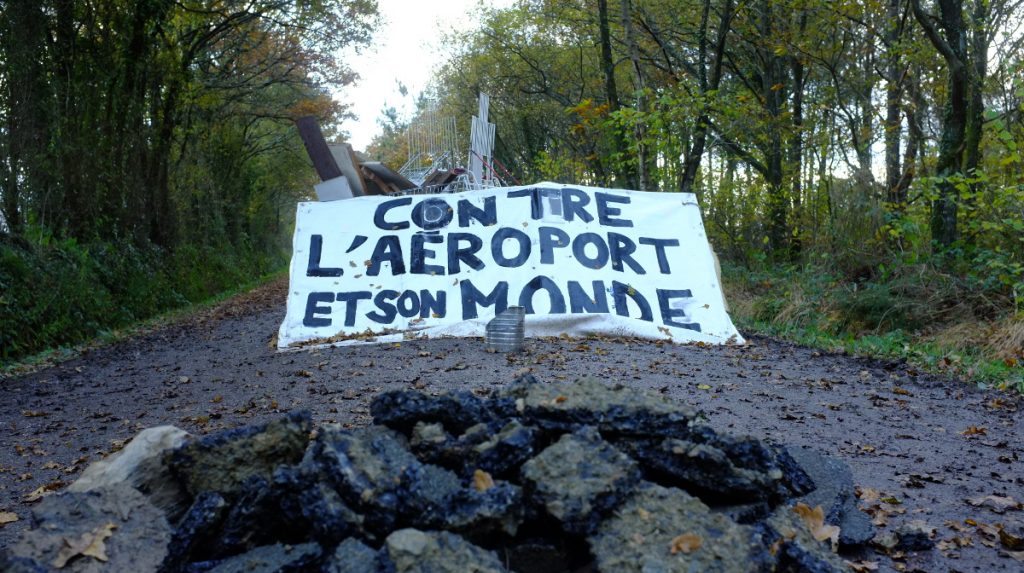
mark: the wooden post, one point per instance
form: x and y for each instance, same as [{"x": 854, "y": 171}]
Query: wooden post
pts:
[{"x": 316, "y": 147}]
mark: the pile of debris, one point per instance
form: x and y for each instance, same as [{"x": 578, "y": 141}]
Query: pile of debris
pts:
[{"x": 537, "y": 478}]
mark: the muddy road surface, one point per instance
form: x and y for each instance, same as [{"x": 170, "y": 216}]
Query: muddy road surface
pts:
[{"x": 920, "y": 447}]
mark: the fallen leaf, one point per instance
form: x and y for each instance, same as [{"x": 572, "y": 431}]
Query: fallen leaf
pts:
[
  {"x": 861, "y": 566},
  {"x": 814, "y": 519},
  {"x": 42, "y": 491},
  {"x": 989, "y": 534},
  {"x": 1018, "y": 555},
  {"x": 685, "y": 543},
  {"x": 868, "y": 495},
  {"x": 974, "y": 431},
  {"x": 901, "y": 392},
  {"x": 34, "y": 413},
  {"x": 90, "y": 544},
  {"x": 7, "y": 517},
  {"x": 958, "y": 527},
  {"x": 996, "y": 503},
  {"x": 1010, "y": 540},
  {"x": 482, "y": 480}
]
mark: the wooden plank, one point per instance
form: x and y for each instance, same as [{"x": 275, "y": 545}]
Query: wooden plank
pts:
[
  {"x": 355, "y": 161},
  {"x": 347, "y": 161},
  {"x": 316, "y": 147}
]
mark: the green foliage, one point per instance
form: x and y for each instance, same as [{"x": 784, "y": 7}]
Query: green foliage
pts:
[
  {"x": 148, "y": 156},
  {"x": 58, "y": 292},
  {"x": 934, "y": 319}
]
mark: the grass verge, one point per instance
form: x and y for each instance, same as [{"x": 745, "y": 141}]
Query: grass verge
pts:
[
  {"x": 60, "y": 354},
  {"x": 933, "y": 321}
]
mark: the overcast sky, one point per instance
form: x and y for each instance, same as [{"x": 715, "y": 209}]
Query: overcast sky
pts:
[{"x": 407, "y": 47}]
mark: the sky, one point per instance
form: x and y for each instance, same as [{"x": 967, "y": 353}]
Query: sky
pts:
[{"x": 406, "y": 48}]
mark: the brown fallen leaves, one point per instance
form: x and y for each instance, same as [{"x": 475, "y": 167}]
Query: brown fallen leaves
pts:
[
  {"x": 43, "y": 490},
  {"x": 482, "y": 480},
  {"x": 861, "y": 566},
  {"x": 1010, "y": 540},
  {"x": 814, "y": 519},
  {"x": 996, "y": 535},
  {"x": 685, "y": 543},
  {"x": 974, "y": 431},
  {"x": 90, "y": 544},
  {"x": 878, "y": 505},
  {"x": 7, "y": 517}
]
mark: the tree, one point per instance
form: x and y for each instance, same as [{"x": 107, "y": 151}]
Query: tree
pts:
[{"x": 963, "y": 45}]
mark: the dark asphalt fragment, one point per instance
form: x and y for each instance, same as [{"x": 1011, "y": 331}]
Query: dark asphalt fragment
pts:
[
  {"x": 835, "y": 494},
  {"x": 796, "y": 548},
  {"x": 276, "y": 558},
  {"x": 116, "y": 522},
  {"x": 498, "y": 448},
  {"x": 197, "y": 527},
  {"x": 667, "y": 530},
  {"x": 222, "y": 462},
  {"x": 353, "y": 556},
  {"x": 579, "y": 479},
  {"x": 414, "y": 551},
  {"x": 721, "y": 469},
  {"x": 615, "y": 410},
  {"x": 401, "y": 410},
  {"x": 370, "y": 468}
]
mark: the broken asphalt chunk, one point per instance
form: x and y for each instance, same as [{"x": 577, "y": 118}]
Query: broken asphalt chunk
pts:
[
  {"x": 579, "y": 479},
  {"x": 222, "y": 462},
  {"x": 614, "y": 410},
  {"x": 414, "y": 551},
  {"x": 106, "y": 529},
  {"x": 722, "y": 470},
  {"x": 667, "y": 530}
]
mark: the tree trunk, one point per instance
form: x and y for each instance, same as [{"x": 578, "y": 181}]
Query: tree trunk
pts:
[
  {"x": 895, "y": 194},
  {"x": 27, "y": 134},
  {"x": 796, "y": 141},
  {"x": 626, "y": 174},
  {"x": 952, "y": 141},
  {"x": 644, "y": 163},
  {"x": 771, "y": 90},
  {"x": 707, "y": 82}
]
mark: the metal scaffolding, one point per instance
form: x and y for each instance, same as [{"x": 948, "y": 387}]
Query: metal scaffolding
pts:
[{"x": 434, "y": 146}]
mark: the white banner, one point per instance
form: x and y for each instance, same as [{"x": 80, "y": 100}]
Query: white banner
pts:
[{"x": 582, "y": 260}]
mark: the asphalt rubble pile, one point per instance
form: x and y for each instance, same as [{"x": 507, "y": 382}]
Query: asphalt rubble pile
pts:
[{"x": 575, "y": 477}]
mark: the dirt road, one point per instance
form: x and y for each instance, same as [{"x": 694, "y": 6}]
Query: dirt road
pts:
[{"x": 919, "y": 446}]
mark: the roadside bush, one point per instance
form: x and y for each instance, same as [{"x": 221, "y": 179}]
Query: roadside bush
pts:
[
  {"x": 957, "y": 323},
  {"x": 56, "y": 292}
]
